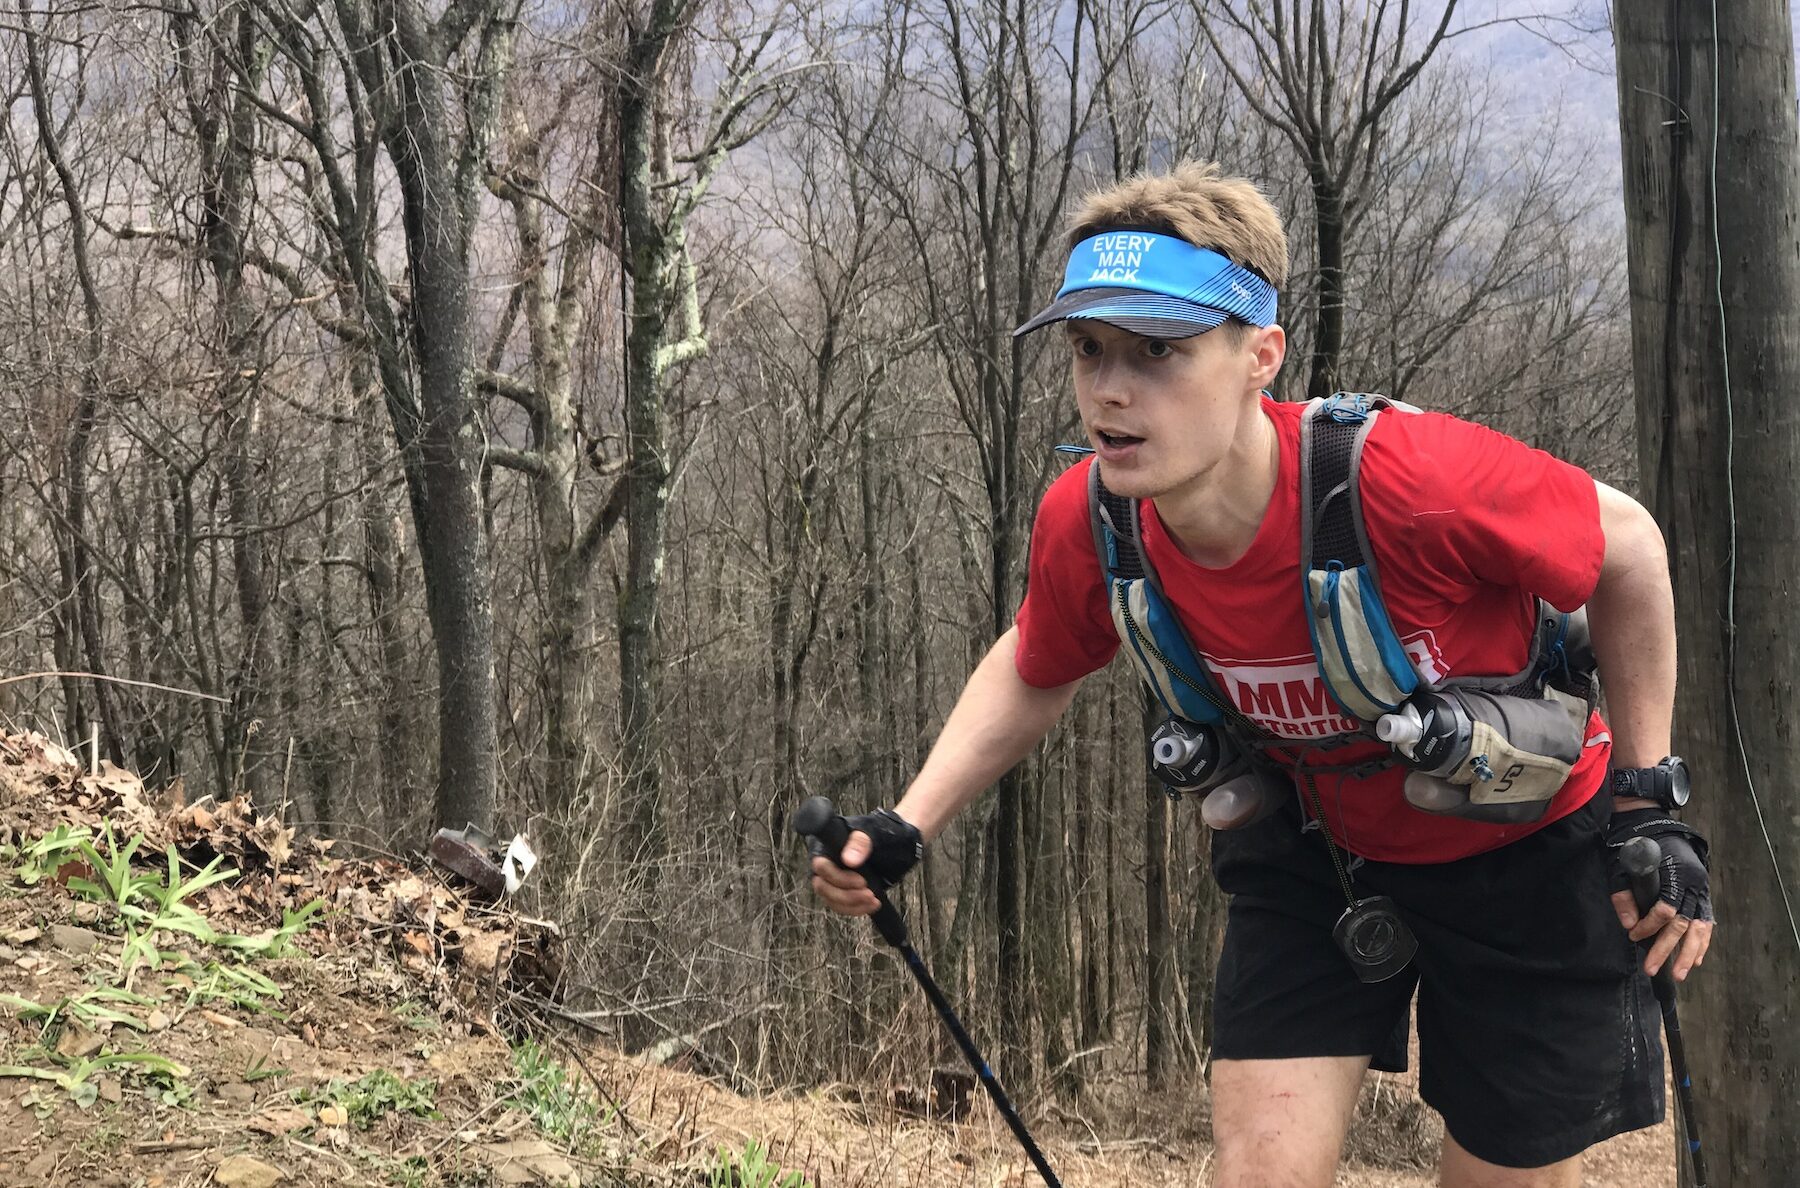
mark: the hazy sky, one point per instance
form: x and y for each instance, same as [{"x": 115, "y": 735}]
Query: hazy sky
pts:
[
  {"x": 1549, "y": 63},
  {"x": 1553, "y": 60}
]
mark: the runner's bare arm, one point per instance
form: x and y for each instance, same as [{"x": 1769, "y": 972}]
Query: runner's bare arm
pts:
[
  {"x": 1632, "y": 617},
  {"x": 998, "y": 718}
]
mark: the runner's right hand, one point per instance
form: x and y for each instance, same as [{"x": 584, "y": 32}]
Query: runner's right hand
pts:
[
  {"x": 842, "y": 888},
  {"x": 881, "y": 848}
]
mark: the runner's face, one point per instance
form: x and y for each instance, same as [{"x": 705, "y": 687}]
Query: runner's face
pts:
[{"x": 1162, "y": 414}]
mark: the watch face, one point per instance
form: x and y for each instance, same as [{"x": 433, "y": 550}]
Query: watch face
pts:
[{"x": 1678, "y": 780}]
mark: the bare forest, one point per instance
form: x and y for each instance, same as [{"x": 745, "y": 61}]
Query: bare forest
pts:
[{"x": 602, "y": 421}]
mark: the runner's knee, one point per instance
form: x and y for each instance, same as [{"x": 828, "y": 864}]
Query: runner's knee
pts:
[{"x": 1281, "y": 1123}]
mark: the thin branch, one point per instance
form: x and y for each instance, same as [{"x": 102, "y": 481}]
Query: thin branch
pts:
[
  {"x": 96, "y": 676},
  {"x": 498, "y": 383},
  {"x": 524, "y": 461}
]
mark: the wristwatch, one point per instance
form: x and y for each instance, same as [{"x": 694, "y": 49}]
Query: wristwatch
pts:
[{"x": 1666, "y": 783}]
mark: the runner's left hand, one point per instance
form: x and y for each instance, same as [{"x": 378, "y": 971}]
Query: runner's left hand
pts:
[{"x": 1681, "y": 921}]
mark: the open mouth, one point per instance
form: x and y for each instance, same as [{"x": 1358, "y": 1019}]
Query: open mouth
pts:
[{"x": 1117, "y": 440}]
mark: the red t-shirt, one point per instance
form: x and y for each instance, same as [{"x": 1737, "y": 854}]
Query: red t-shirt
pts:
[{"x": 1466, "y": 525}]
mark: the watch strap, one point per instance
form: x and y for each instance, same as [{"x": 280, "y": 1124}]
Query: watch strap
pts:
[{"x": 1651, "y": 783}]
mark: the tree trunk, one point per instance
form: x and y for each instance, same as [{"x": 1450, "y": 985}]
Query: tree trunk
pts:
[
  {"x": 226, "y": 123},
  {"x": 1084, "y": 825},
  {"x": 650, "y": 249},
  {"x": 1713, "y": 219},
  {"x": 81, "y": 583},
  {"x": 1328, "y": 340},
  {"x": 646, "y": 517},
  {"x": 451, "y": 539},
  {"x": 1162, "y": 963},
  {"x": 1050, "y": 971},
  {"x": 1205, "y": 933},
  {"x": 382, "y": 561}
]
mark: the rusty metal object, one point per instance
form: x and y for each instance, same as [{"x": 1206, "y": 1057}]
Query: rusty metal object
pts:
[{"x": 467, "y": 852}]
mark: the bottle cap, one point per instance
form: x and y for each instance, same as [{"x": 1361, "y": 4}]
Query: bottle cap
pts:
[
  {"x": 1400, "y": 729},
  {"x": 1173, "y": 750}
]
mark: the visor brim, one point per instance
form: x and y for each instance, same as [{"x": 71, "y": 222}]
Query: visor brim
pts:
[{"x": 1132, "y": 310}]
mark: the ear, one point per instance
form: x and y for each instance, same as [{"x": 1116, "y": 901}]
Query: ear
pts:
[{"x": 1267, "y": 347}]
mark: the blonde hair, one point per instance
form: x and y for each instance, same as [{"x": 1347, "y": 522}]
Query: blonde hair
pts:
[{"x": 1198, "y": 203}]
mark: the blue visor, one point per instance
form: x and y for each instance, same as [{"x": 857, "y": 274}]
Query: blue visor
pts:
[{"x": 1159, "y": 286}]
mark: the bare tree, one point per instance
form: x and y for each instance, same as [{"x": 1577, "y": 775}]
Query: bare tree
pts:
[
  {"x": 225, "y": 124},
  {"x": 79, "y": 626},
  {"x": 393, "y": 65},
  {"x": 659, "y": 192},
  {"x": 1326, "y": 76}
]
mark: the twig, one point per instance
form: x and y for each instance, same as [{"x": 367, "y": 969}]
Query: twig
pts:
[
  {"x": 96, "y": 676},
  {"x": 480, "y": 1113},
  {"x": 156, "y": 1148}
]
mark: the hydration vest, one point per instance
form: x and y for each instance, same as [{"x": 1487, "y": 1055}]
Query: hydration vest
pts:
[{"x": 1365, "y": 666}]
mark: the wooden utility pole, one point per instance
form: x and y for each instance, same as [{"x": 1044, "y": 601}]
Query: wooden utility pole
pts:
[{"x": 1712, "y": 201}]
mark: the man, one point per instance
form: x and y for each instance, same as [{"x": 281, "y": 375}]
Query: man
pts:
[{"x": 1536, "y": 1029}]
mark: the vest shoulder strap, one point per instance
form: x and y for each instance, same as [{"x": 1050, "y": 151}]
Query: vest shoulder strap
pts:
[
  {"x": 1149, "y": 631},
  {"x": 1360, "y": 655}
]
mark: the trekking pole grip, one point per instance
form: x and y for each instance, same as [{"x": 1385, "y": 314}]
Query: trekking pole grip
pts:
[
  {"x": 818, "y": 820},
  {"x": 1642, "y": 859}
]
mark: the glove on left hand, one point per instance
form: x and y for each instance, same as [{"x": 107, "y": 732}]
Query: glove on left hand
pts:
[{"x": 1682, "y": 877}]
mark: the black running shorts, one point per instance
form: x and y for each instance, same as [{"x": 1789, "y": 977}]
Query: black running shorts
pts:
[{"x": 1538, "y": 1032}]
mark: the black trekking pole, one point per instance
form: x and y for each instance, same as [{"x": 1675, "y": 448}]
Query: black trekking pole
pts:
[
  {"x": 1641, "y": 857},
  {"x": 818, "y": 820}
]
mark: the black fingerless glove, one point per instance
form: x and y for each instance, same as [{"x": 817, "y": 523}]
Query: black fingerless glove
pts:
[
  {"x": 1682, "y": 875},
  {"x": 897, "y": 847}
]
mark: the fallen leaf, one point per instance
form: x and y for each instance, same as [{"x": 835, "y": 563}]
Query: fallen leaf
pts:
[
  {"x": 115, "y": 780},
  {"x": 280, "y": 1120},
  {"x": 78, "y": 1043},
  {"x": 110, "y": 1092},
  {"x": 78, "y": 869},
  {"x": 49, "y": 754},
  {"x": 484, "y": 952},
  {"x": 274, "y": 840},
  {"x": 332, "y": 1116}
]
